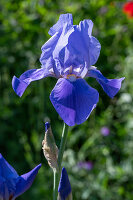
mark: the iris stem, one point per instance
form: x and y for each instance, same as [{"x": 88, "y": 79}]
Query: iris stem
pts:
[
  {"x": 62, "y": 145},
  {"x": 57, "y": 174},
  {"x": 54, "y": 186}
]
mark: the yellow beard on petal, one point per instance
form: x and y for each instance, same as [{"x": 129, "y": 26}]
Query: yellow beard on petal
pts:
[{"x": 71, "y": 77}]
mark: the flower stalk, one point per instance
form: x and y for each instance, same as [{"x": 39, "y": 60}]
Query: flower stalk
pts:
[{"x": 57, "y": 174}]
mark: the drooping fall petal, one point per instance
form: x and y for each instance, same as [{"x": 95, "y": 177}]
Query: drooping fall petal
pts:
[
  {"x": 110, "y": 86},
  {"x": 74, "y": 101},
  {"x": 20, "y": 84}
]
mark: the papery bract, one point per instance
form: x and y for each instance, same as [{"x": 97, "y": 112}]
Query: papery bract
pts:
[
  {"x": 49, "y": 147},
  {"x": 11, "y": 184},
  {"x": 68, "y": 56}
]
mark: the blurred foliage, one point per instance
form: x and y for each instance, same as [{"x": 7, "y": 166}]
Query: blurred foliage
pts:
[{"x": 24, "y": 26}]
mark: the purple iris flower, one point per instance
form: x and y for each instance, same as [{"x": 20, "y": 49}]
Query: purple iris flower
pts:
[
  {"x": 69, "y": 56},
  {"x": 105, "y": 131},
  {"x": 11, "y": 184},
  {"x": 64, "y": 188}
]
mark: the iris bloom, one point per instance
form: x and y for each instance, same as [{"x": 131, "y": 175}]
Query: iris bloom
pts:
[
  {"x": 64, "y": 189},
  {"x": 69, "y": 56},
  {"x": 11, "y": 184},
  {"x": 128, "y": 9}
]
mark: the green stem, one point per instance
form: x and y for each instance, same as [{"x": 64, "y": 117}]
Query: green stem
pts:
[
  {"x": 62, "y": 145},
  {"x": 60, "y": 156},
  {"x": 54, "y": 186}
]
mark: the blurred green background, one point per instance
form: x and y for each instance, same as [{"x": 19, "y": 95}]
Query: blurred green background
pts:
[{"x": 24, "y": 26}]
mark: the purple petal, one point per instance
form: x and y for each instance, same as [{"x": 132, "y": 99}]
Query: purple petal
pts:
[
  {"x": 110, "y": 86},
  {"x": 81, "y": 54},
  {"x": 63, "y": 19},
  {"x": 6, "y": 170},
  {"x": 78, "y": 52},
  {"x": 20, "y": 84},
  {"x": 4, "y": 193},
  {"x": 51, "y": 49},
  {"x": 8, "y": 177},
  {"x": 86, "y": 26},
  {"x": 46, "y": 58},
  {"x": 7, "y": 188},
  {"x": 95, "y": 48},
  {"x": 64, "y": 188},
  {"x": 51, "y": 57},
  {"x": 74, "y": 101},
  {"x": 62, "y": 51},
  {"x": 25, "y": 181}
]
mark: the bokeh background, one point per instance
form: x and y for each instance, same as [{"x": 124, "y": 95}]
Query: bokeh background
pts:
[{"x": 24, "y": 26}]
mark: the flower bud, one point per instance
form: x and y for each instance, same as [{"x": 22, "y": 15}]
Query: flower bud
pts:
[
  {"x": 64, "y": 189},
  {"x": 49, "y": 147}
]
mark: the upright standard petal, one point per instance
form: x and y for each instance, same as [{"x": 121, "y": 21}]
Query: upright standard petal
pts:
[
  {"x": 25, "y": 181},
  {"x": 95, "y": 48},
  {"x": 20, "y": 84},
  {"x": 46, "y": 58},
  {"x": 83, "y": 53},
  {"x": 86, "y": 26},
  {"x": 62, "y": 51},
  {"x": 110, "y": 86},
  {"x": 93, "y": 44},
  {"x": 63, "y": 20},
  {"x": 64, "y": 188},
  {"x": 74, "y": 101},
  {"x": 52, "y": 56},
  {"x": 78, "y": 52}
]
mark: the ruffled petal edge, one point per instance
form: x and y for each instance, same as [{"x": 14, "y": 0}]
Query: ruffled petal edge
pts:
[{"x": 63, "y": 19}]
